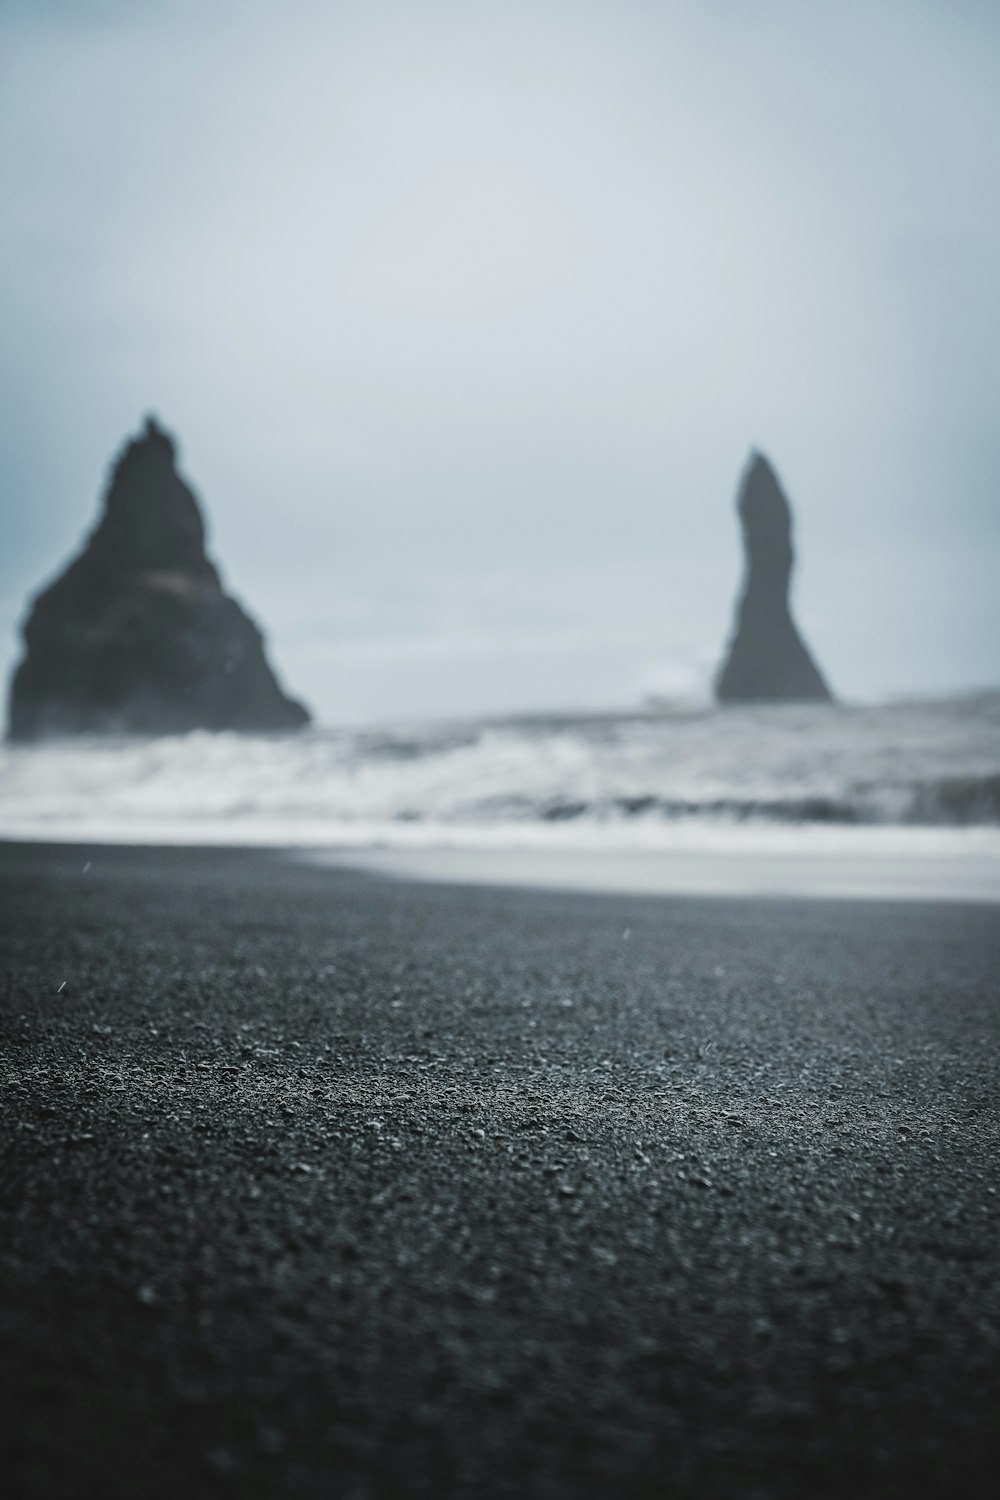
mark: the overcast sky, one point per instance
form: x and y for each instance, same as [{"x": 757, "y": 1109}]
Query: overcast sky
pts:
[{"x": 466, "y": 316}]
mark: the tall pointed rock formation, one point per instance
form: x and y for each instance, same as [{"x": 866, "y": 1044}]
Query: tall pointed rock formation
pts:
[
  {"x": 137, "y": 635},
  {"x": 767, "y": 660}
]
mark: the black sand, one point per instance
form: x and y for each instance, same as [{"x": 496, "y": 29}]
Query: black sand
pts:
[{"x": 316, "y": 1184}]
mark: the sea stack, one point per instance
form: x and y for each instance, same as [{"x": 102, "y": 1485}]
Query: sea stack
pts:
[
  {"x": 767, "y": 660},
  {"x": 137, "y": 635}
]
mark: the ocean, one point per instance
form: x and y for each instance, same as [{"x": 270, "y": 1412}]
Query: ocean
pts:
[{"x": 915, "y": 774}]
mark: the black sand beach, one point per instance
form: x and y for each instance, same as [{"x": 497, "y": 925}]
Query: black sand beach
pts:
[{"x": 322, "y": 1184}]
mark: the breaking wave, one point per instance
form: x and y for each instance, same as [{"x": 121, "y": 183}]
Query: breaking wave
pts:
[{"x": 626, "y": 778}]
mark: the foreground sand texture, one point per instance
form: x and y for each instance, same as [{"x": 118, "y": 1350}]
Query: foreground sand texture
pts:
[{"x": 323, "y": 1184}]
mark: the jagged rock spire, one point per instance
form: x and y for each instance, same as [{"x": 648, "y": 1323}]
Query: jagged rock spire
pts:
[
  {"x": 767, "y": 660},
  {"x": 137, "y": 634}
]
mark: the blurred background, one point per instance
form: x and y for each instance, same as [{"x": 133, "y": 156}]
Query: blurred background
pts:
[{"x": 466, "y": 316}]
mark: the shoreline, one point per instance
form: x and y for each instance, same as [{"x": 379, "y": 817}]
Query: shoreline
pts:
[
  {"x": 752, "y": 860},
  {"x": 832, "y": 875}
]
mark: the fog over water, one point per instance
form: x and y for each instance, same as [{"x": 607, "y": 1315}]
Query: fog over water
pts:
[{"x": 466, "y": 316}]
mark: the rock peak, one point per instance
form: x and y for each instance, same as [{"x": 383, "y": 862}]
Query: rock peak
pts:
[
  {"x": 767, "y": 659},
  {"x": 153, "y": 444},
  {"x": 151, "y": 518},
  {"x": 137, "y": 635},
  {"x": 152, "y": 429}
]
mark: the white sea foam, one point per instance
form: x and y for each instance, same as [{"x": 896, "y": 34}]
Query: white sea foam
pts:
[{"x": 906, "y": 778}]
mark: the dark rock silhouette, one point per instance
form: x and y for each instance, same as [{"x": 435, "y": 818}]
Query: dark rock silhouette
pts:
[
  {"x": 137, "y": 635},
  {"x": 767, "y": 660}
]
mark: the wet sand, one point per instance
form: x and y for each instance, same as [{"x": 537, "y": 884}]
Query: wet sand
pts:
[
  {"x": 319, "y": 1183},
  {"x": 914, "y": 867}
]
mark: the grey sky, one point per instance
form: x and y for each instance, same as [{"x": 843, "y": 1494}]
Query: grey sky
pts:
[{"x": 466, "y": 316}]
